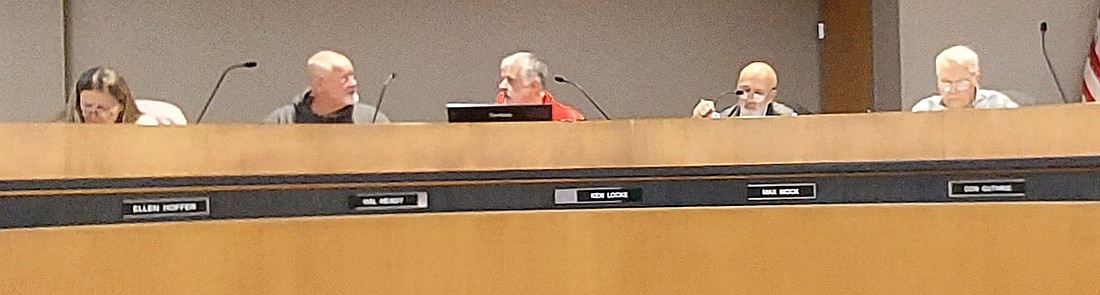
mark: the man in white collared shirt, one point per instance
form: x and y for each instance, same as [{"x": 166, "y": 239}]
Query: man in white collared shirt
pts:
[{"x": 958, "y": 73}]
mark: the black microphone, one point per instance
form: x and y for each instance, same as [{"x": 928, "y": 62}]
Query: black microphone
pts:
[
  {"x": 738, "y": 92},
  {"x": 250, "y": 64},
  {"x": 378, "y": 106},
  {"x": 1058, "y": 83},
  {"x": 561, "y": 79}
]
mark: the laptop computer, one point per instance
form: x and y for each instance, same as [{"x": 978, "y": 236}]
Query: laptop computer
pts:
[{"x": 474, "y": 113}]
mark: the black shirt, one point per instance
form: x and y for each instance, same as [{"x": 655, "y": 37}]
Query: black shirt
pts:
[{"x": 303, "y": 114}]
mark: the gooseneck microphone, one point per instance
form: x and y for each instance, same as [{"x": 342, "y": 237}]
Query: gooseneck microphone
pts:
[
  {"x": 250, "y": 64},
  {"x": 737, "y": 92},
  {"x": 378, "y": 106},
  {"x": 1046, "y": 56},
  {"x": 563, "y": 80},
  {"x": 715, "y": 114}
]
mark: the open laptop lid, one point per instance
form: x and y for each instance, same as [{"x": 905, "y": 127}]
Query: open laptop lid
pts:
[{"x": 472, "y": 113}]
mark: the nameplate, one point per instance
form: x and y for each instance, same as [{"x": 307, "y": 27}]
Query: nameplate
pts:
[
  {"x": 601, "y": 195},
  {"x": 388, "y": 201},
  {"x": 1010, "y": 188},
  {"x": 165, "y": 208},
  {"x": 782, "y": 191}
]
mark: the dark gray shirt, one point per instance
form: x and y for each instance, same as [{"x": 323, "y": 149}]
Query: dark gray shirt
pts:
[
  {"x": 299, "y": 112},
  {"x": 774, "y": 109}
]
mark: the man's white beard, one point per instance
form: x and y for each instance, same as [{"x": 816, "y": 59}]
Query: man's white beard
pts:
[
  {"x": 351, "y": 99},
  {"x": 745, "y": 112}
]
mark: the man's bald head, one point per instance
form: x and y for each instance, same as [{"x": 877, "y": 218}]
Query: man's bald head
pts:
[
  {"x": 760, "y": 72},
  {"x": 758, "y": 80},
  {"x": 326, "y": 61},
  {"x": 332, "y": 78}
]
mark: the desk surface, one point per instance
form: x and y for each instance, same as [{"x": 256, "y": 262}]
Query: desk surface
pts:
[{"x": 55, "y": 151}]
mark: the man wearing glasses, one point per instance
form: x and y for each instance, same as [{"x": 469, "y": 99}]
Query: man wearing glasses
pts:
[
  {"x": 755, "y": 96},
  {"x": 958, "y": 73}
]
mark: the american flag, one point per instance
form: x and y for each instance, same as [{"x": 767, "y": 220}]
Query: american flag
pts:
[{"x": 1091, "y": 85}]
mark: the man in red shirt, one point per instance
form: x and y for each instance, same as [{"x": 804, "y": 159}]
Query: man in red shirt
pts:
[{"x": 523, "y": 81}]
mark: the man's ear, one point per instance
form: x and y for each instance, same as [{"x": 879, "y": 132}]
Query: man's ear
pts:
[{"x": 536, "y": 83}]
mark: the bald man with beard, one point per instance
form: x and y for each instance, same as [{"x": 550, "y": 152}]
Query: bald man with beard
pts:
[
  {"x": 757, "y": 84},
  {"x": 332, "y": 96}
]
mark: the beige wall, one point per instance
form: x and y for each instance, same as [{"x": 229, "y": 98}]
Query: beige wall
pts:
[
  {"x": 1006, "y": 36},
  {"x": 32, "y": 59},
  {"x": 650, "y": 58},
  {"x": 887, "y": 63}
]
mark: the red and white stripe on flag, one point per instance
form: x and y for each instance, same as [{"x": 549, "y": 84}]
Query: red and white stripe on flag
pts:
[{"x": 1091, "y": 87}]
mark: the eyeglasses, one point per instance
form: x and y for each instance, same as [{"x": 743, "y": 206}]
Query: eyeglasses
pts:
[
  {"x": 960, "y": 85},
  {"x": 97, "y": 109},
  {"x": 755, "y": 96},
  {"x": 743, "y": 94}
]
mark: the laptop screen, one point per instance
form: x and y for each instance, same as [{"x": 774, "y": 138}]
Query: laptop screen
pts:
[{"x": 472, "y": 113}]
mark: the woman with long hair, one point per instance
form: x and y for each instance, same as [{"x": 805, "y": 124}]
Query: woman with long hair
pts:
[{"x": 101, "y": 96}]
